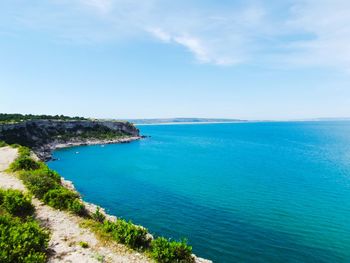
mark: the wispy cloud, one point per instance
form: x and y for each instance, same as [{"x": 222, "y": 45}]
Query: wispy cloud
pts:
[
  {"x": 328, "y": 24},
  {"x": 202, "y": 53},
  {"x": 103, "y": 6},
  {"x": 300, "y": 32}
]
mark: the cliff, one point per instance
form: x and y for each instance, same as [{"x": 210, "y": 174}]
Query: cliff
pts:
[{"x": 44, "y": 135}]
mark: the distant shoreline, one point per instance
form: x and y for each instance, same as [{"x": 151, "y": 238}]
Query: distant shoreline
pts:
[
  {"x": 187, "y": 123},
  {"x": 243, "y": 121}
]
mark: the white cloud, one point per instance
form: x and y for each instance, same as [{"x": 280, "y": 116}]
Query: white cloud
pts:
[
  {"x": 192, "y": 44},
  {"x": 160, "y": 34},
  {"x": 195, "y": 46},
  {"x": 103, "y": 6},
  {"x": 299, "y": 32},
  {"x": 328, "y": 25}
]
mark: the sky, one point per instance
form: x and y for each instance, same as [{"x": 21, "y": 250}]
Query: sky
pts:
[{"x": 123, "y": 59}]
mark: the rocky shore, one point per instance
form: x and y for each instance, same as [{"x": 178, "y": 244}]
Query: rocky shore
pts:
[
  {"x": 43, "y": 136},
  {"x": 44, "y": 152}
]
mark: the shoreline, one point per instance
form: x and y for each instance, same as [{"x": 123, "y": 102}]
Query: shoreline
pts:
[
  {"x": 95, "y": 142},
  {"x": 66, "y": 231},
  {"x": 187, "y": 123},
  {"x": 44, "y": 152},
  {"x": 91, "y": 207}
]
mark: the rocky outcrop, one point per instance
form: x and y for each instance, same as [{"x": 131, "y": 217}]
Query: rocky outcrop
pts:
[{"x": 43, "y": 135}]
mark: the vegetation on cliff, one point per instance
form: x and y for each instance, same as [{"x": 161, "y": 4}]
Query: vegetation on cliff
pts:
[
  {"x": 21, "y": 237},
  {"x": 42, "y": 132},
  {"x": 16, "y": 118},
  {"x": 3, "y": 144},
  {"x": 44, "y": 183}
]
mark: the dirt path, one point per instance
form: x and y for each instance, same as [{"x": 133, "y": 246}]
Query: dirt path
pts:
[{"x": 64, "y": 227}]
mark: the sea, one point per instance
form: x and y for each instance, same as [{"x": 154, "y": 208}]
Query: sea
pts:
[{"x": 238, "y": 192}]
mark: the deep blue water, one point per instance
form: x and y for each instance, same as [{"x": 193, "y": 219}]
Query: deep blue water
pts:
[{"x": 247, "y": 192}]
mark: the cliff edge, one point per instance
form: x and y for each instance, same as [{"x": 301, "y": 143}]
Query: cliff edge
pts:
[{"x": 43, "y": 136}]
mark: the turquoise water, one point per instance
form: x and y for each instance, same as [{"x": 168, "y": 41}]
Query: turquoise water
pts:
[{"x": 248, "y": 192}]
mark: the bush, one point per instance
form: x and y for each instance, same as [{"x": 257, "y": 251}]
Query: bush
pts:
[
  {"x": 109, "y": 226},
  {"x": 163, "y": 250},
  {"x": 98, "y": 216},
  {"x": 15, "y": 145},
  {"x": 60, "y": 198},
  {"x": 127, "y": 233},
  {"x": 2, "y": 194},
  {"x": 77, "y": 207},
  {"x": 22, "y": 150},
  {"x": 16, "y": 203},
  {"x": 3, "y": 144},
  {"x": 24, "y": 163},
  {"x": 39, "y": 182},
  {"x": 83, "y": 244},
  {"x": 131, "y": 235},
  {"x": 22, "y": 241},
  {"x": 46, "y": 171}
]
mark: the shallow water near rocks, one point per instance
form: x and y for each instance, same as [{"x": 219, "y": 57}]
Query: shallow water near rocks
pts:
[{"x": 244, "y": 192}]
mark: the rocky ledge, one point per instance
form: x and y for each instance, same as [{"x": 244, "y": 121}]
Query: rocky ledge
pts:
[{"x": 43, "y": 136}]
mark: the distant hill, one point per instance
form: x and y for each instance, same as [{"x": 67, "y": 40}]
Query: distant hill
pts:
[{"x": 181, "y": 120}]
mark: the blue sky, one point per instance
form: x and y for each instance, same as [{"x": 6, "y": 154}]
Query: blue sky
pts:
[{"x": 162, "y": 58}]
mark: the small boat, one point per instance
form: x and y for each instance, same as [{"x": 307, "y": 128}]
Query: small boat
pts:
[
  {"x": 76, "y": 152},
  {"x": 102, "y": 145}
]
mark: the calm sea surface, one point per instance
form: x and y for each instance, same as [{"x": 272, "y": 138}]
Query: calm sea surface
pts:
[{"x": 248, "y": 192}]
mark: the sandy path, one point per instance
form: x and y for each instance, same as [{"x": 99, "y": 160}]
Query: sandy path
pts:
[{"x": 64, "y": 227}]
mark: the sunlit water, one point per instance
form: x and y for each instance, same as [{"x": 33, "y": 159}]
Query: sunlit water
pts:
[{"x": 249, "y": 192}]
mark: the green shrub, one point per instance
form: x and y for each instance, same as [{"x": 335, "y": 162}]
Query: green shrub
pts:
[
  {"x": 46, "y": 171},
  {"x": 60, "y": 198},
  {"x": 39, "y": 182},
  {"x": 24, "y": 163},
  {"x": 22, "y": 150},
  {"x": 15, "y": 145},
  {"x": 98, "y": 216},
  {"x": 163, "y": 250},
  {"x": 127, "y": 233},
  {"x": 77, "y": 207},
  {"x": 16, "y": 203},
  {"x": 2, "y": 194},
  {"x": 131, "y": 235},
  {"x": 83, "y": 244},
  {"x": 109, "y": 227},
  {"x": 22, "y": 241},
  {"x": 3, "y": 144}
]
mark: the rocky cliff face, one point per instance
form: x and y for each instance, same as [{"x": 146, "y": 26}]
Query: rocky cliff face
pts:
[{"x": 42, "y": 135}]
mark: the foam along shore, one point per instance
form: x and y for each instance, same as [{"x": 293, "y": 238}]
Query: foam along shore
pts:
[
  {"x": 45, "y": 152},
  {"x": 73, "y": 143}
]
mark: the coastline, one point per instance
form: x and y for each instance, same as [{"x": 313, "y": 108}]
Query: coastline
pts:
[
  {"x": 91, "y": 207},
  {"x": 66, "y": 231},
  {"x": 74, "y": 143},
  {"x": 187, "y": 123},
  {"x": 44, "y": 152},
  {"x": 60, "y": 222}
]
